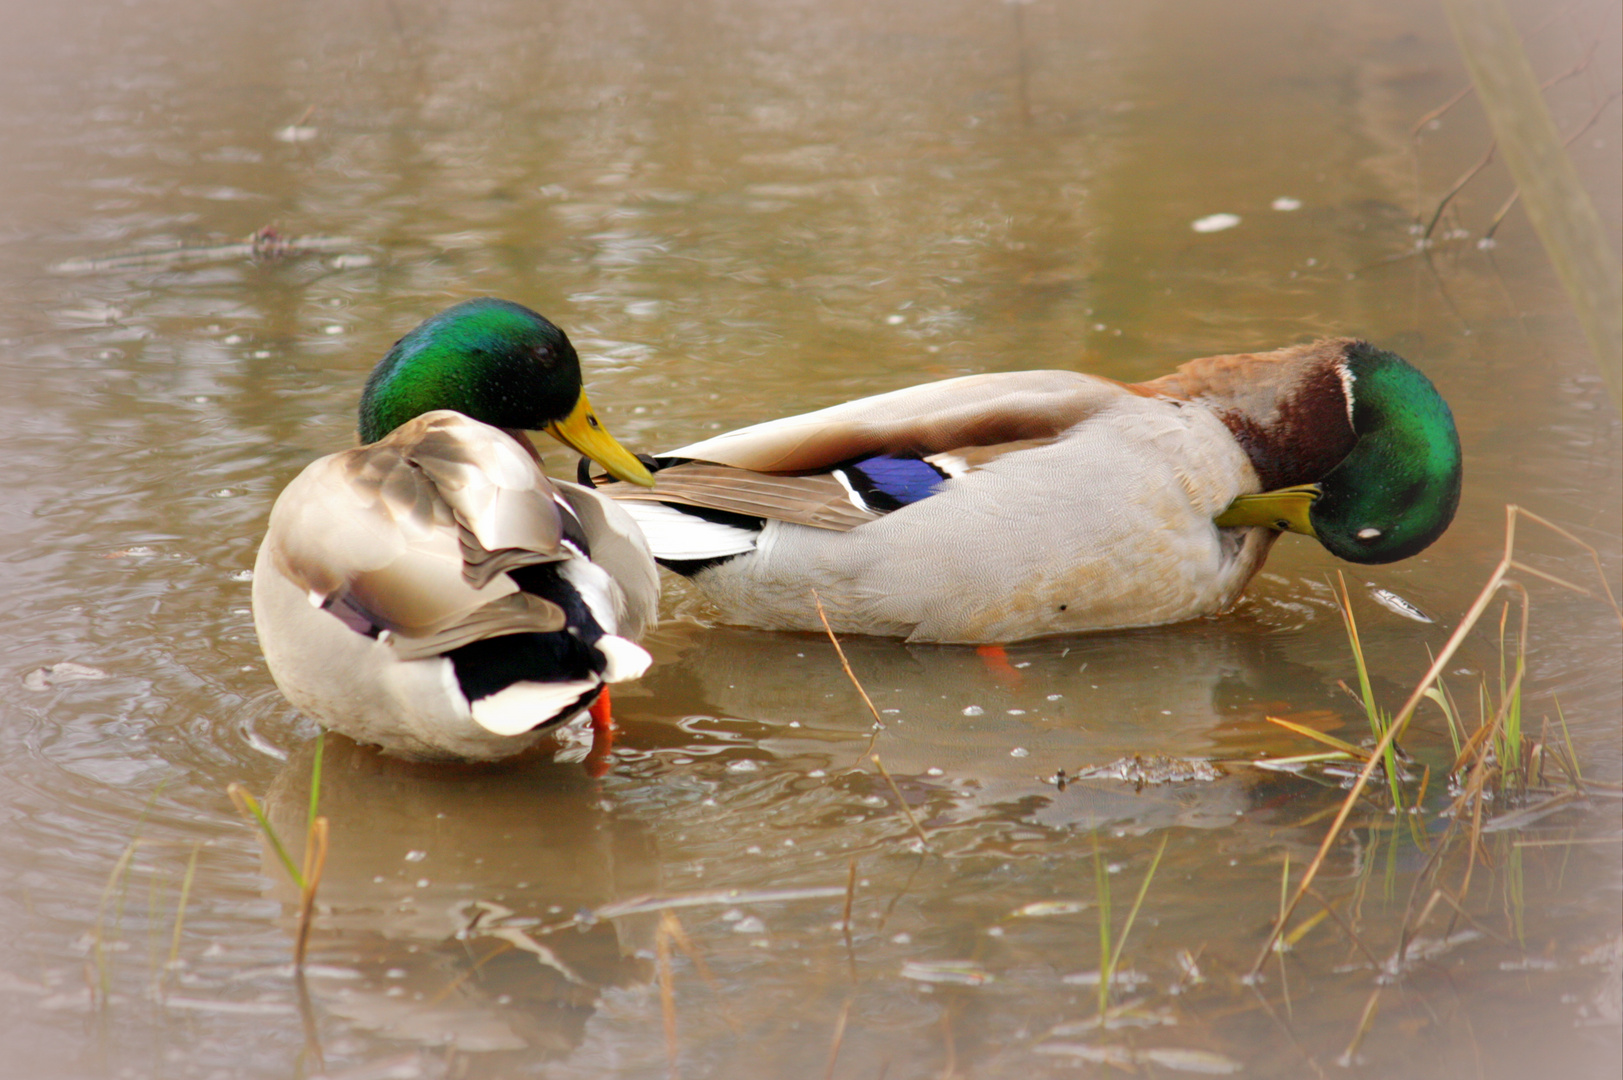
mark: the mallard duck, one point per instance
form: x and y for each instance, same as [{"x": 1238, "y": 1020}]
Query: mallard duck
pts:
[
  {"x": 991, "y": 508},
  {"x": 431, "y": 591}
]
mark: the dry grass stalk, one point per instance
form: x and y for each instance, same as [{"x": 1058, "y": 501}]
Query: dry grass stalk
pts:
[
  {"x": 312, "y": 1032},
  {"x": 845, "y": 917},
  {"x": 1346, "y": 928},
  {"x": 667, "y": 992},
  {"x": 670, "y": 930},
  {"x": 1365, "y": 1021},
  {"x": 838, "y": 1039},
  {"x": 672, "y": 925},
  {"x": 879, "y": 725},
  {"x": 1400, "y": 721},
  {"x": 315, "y": 861}
]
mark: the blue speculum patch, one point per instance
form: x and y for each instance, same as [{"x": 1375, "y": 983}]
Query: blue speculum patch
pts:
[{"x": 889, "y": 483}]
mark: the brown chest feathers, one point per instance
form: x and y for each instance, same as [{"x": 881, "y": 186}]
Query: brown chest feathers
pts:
[{"x": 1287, "y": 409}]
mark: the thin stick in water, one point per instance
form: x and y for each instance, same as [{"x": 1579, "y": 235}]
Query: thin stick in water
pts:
[{"x": 879, "y": 725}]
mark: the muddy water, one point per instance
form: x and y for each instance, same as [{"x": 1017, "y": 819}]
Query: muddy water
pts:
[{"x": 741, "y": 209}]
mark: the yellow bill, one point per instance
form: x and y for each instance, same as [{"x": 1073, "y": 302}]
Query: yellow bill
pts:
[
  {"x": 1285, "y": 509},
  {"x": 583, "y": 431}
]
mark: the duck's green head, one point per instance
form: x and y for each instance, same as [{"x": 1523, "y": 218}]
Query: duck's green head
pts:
[
  {"x": 499, "y": 363},
  {"x": 1397, "y": 489}
]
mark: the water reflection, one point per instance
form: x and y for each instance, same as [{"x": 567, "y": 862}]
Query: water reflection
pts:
[
  {"x": 743, "y": 210},
  {"x": 443, "y": 882},
  {"x": 440, "y": 885},
  {"x": 976, "y": 734}
]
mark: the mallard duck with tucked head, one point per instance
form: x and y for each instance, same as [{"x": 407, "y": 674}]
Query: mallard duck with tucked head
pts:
[
  {"x": 996, "y": 507},
  {"x": 431, "y": 591}
]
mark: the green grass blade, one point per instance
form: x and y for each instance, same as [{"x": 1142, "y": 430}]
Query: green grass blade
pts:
[
  {"x": 1101, "y": 880},
  {"x": 1319, "y": 736},
  {"x": 1566, "y": 735},
  {"x": 315, "y": 782},
  {"x": 1132, "y": 913},
  {"x": 250, "y": 805}
]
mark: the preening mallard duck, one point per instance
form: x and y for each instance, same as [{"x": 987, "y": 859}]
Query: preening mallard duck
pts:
[
  {"x": 996, "y": 507},
  {"x": 431, "y": 591}
]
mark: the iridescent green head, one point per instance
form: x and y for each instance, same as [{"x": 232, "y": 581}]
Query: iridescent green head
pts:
[
  {"x": 497, "y": 362},
  {"x": 1396, "y": 490}
]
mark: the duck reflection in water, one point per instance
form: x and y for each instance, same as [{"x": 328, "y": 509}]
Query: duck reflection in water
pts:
[
  {"x": 970, "y": 742},
  {"x": 440, "y": 884}
]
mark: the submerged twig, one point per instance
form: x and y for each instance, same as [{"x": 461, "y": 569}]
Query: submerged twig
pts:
[
  {"x": 1558, "y": 206},
  {"x": 901, "y": 801}
]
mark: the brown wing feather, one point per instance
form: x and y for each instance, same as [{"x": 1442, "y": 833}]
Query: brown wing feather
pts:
[{"x": 818, "y": 500}]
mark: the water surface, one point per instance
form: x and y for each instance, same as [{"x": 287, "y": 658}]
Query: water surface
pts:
[{"x": 741, "y": 209}]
